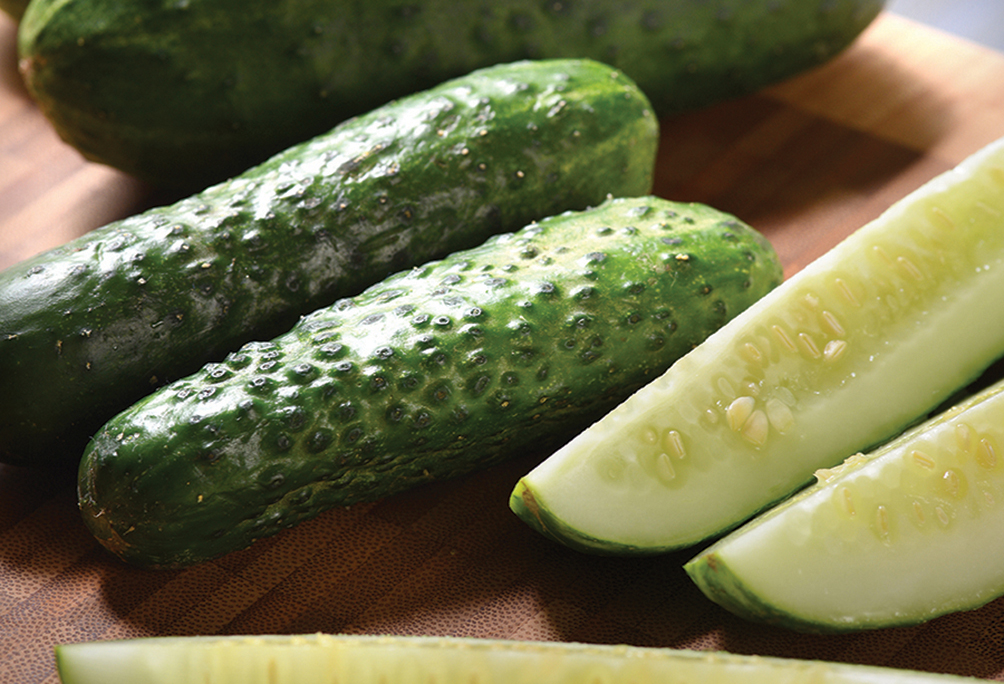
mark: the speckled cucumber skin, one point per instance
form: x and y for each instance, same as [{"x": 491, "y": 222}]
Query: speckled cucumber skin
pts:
[
  {"x": 177, "y": 91},
  {"x": 430, "y": 374},
  {"x": 90, "y": 327}
]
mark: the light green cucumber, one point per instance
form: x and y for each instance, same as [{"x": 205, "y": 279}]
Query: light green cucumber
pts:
[
  {"x": 432, "y": 373},
  {"x": 910, "y": 532},
  {"x": 848, "y": 352},
  {"x": 365, "y": 659}
]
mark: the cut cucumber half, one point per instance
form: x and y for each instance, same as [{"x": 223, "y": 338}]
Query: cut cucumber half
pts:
[
  {"x": 311, "y": 659},
  {"x": 910, "y": 532},
  {"x": 865, "y": 341}
]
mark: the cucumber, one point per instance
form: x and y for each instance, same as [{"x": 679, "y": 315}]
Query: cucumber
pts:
[
  {"x": 433, "y": 373},
  {"x": 849, "y": 351},
  {"x": 365, "y": 659},
  {"x": 908, "y": 533},
  {"x": 90, "y": 327},
  {"x": 194, "y": 91}
]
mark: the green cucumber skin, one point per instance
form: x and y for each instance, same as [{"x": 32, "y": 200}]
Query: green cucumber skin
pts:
[
  {"x": 720, "y": 585},
  {"x": 90, "y": 327},
  {"x": 196, "y": 91},
  {"x": 539, "y": 519},
  {"x": 433, "y": 373}
]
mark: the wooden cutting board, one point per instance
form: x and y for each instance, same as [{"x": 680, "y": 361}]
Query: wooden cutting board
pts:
[{"x": 807, "y": 162}]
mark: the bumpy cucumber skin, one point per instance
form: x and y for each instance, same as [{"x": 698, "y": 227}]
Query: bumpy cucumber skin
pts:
[
  {"x": 195, "y": 91},
  {"x": 433, "y": 373},
  {"x": 92, "y": 326},
  {"x": 14, "y": 8}
]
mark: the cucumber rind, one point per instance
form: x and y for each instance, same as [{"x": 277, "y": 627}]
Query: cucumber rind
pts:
[
  {"x": 372, "y": 659},
  {"x": 902, "y": 293},
  {"x": 898, "y": 537},
  {"x": 432, "y": 373},
  {"x": 132, "y": 305}
]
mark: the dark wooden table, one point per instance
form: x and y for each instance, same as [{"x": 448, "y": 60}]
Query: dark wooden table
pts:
[{"x": 807, "y": 162}]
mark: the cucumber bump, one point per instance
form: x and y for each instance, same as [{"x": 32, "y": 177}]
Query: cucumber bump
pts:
[
  {"x": 902, "y": 535},
  {"x": 200, "y": 90},
  {"x": 840, "y": 357},
  {"x": 365, "y": 659},
  {"x": 432, "y": 373},
  {"x": 91, "y": 326}
]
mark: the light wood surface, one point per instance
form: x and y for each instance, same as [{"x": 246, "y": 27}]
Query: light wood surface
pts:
[{"x": 807, "y": 162}]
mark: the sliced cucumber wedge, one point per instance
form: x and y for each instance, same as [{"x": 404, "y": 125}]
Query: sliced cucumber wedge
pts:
[
  {"x": 910, "y": 532},
  {"x": 847, "y": 353},
  {"x": 312, "y": 659}
]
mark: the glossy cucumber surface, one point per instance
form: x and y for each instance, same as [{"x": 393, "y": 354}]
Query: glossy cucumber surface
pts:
[
  {"x": 194, "y": 91},
  {"x": 902, "y": 535},
  {"x": 844, "y": 355},
  {"x": 435, "y": 372},
  {"x": 323, "y": 658},
  {"x": 90, "y": 327}
]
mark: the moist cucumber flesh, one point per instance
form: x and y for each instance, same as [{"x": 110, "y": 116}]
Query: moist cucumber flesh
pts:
[
  {"x": 845, "y": 354},
  {"x": 432, "y": 373},
  {"x": 197, "y": 91},
  {"x": 897, "y": 537},
  {"x": 88, "y": 328},
  {"x": 365, "y": 659}
]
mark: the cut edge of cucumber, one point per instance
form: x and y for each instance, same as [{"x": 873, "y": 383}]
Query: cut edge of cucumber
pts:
[
  {"x": 372, "y": 659},
  {"x": 550, "y": 496}
]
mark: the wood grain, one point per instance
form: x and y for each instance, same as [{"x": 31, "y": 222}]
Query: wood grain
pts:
[{"x": 807, "y": 162}]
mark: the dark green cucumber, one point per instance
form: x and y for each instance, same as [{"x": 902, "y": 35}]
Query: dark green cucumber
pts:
[
  {"x": 89, "y": 328},
  {"x": 432, "y": 373},
  {"x": 194, "y": 90},
  {"x": 368, "y": 659},
  {"x": 852, "y": 349}
]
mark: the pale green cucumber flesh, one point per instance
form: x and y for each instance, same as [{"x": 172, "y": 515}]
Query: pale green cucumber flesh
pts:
[
  {"x": 14, "y": 8},
  {"x": 845, "y": 354},
  {"x": 179, "y": 95},
  {"x": 316, "y": 658},
  {"x": 901, "y": 536}
]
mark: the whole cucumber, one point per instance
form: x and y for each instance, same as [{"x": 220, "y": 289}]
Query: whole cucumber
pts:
[
  {"x": 90, "y": 327},
  {"x": 181, "y": 91},
  {"x": 430, "y": 374}
]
